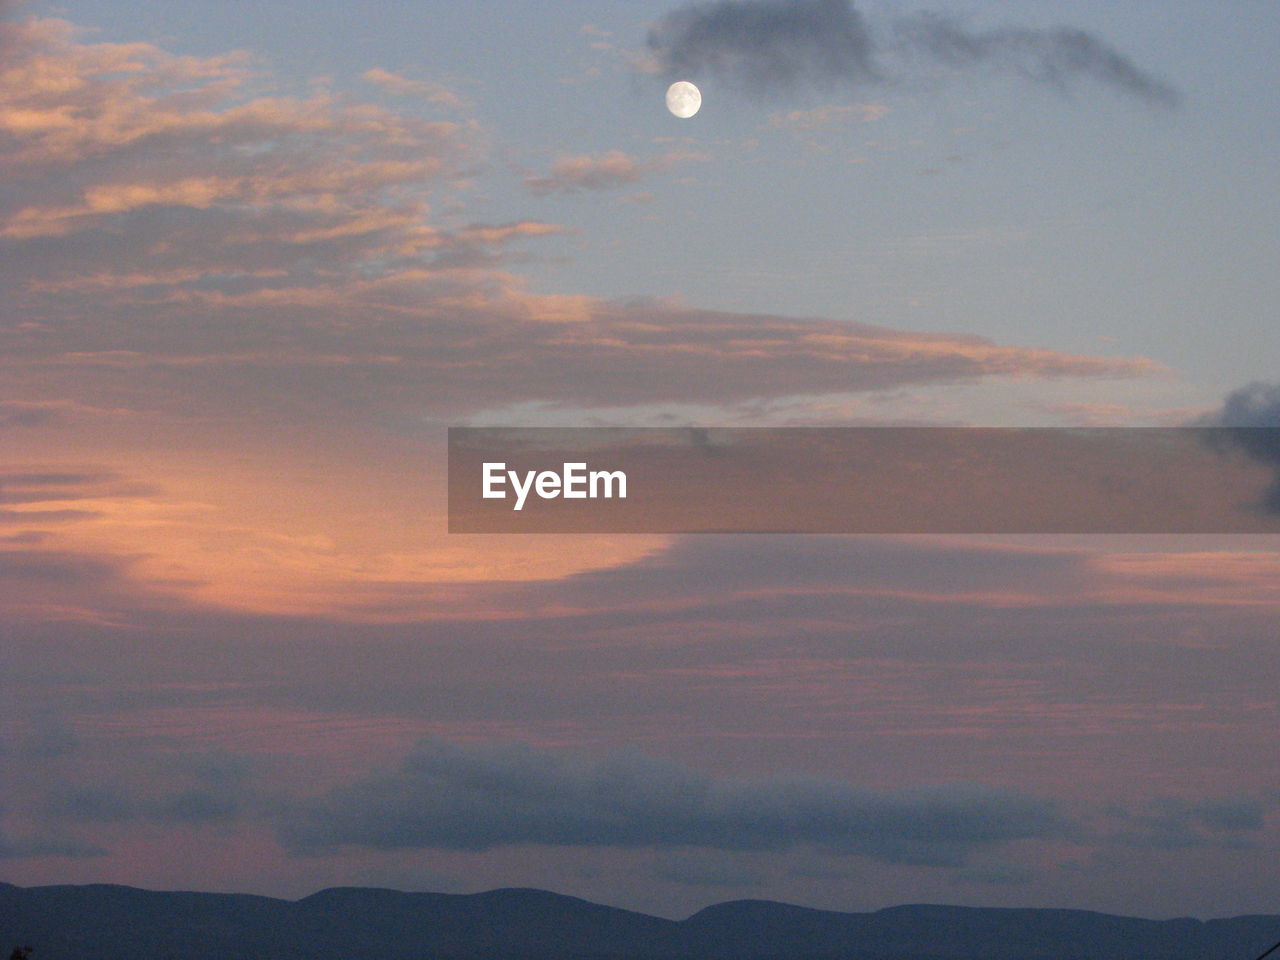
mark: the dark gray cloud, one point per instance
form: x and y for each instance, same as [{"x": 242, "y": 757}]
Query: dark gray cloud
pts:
[
  {"x": 1254, "y": 405},
  {"x": 31, "y": 847},
  {"x": 103, "y": 805},
  {"x": 24, "y": 538},
  {"x": 1255, "y": 408},
  {"x": 1057, "y": 56},
  {"x": 479, "y": 797},
  {"x": 44, "y": 516},
  {"x": 1175, "y": 824},
  {"x": 765, "y": 46},
  {"x": 34, "y": 487},
  {"x": 58, "y": 567},
  {"x": 217, "y": 790}
]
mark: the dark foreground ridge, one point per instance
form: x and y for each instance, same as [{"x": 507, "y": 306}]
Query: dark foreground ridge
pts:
[{"x": 100, "y": 921}]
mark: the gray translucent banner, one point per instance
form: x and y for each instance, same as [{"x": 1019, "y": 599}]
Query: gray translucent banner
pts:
[{"x": 864, "y": 480}]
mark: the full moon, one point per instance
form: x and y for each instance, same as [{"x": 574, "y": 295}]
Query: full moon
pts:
[{"x": 683, "y": 99}]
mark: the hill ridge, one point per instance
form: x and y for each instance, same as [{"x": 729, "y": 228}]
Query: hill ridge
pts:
[{"x": 84, "y": 922}]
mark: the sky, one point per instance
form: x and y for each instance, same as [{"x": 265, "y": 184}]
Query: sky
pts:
[{"x": 255, "y": 259}]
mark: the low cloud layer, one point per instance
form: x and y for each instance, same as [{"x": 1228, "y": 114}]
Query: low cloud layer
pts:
[
  {"x": 209, "y": 790},
  {"x": 1227, "y": 823},
  {"x": 877, "y": 662},
  {"x": 41, "y": 845},
  {"x": 476, "y": 798},
  {"x": 34, "y": 848},
  {"x": 769, "y": 46}
]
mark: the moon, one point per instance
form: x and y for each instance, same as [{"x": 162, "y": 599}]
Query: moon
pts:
[{"x": 683, "y": 99}]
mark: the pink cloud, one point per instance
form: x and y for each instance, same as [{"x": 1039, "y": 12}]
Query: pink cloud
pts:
[
  {"x": 573, "y": 173},
  {"x": 400, "y": 86}
]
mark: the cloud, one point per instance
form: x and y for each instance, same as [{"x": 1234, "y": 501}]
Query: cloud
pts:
[
  {"x": 448, "y": 343},
  {"x": 1056, "y": 56},
  {"x": 770, "y": 46},
  {"x": 214, "y": 789},
  {"x": 403, "y": 87},
  {"x": 828, "y": 115},
  {"x": 98, "y": 805},
  {"x": 72, "y": 585},
  {"x": 573, "y": 173},
  {"x": 59, "y": 569},
  {"x": 1254, "y": 405},
  {"x": 932, "y": 661},
  {"x": 29, "y": 487},
  {"x": 1255, "y": 408},
  {"x": 41, "y": 517},
  {"x": 479, "y": 797},
  {"x": 207, "y": 250},
  {"x": 767, "y": 45},
  {"x": 1176, "y": 824},
  {"x": 133, "y": 131},
  {"x": 198, "y": 260},
  {"x": 33, "y": 847},
  {"x": 18, "y": 414},
  {"x": 37, "y": 497},
  {"x": 30, "y": 848}
]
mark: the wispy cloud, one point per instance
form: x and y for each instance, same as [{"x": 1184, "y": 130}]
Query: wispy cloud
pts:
[
  {"x": 1056, "y": 56},
  {"x": 828, "y": 115},
  {"x": 573, "y": 173},
  {"x": 769, "y": 46},
  {"x": 399, "y": 86}
]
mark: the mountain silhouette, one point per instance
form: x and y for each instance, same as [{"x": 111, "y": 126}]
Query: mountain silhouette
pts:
[{"x": 100, "y": 921}]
